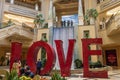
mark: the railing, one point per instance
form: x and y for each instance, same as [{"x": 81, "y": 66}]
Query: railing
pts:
[
  {"x": 108, "y": 4},
  {"x": 113, "y": 24},
  {"x": 7, "y": 31},
  {"x": 20, "y": 10},
  {"x": 24, "y": 4},
  {"x": 114, "y": 18},
  {"x": 4, "y": 25}
]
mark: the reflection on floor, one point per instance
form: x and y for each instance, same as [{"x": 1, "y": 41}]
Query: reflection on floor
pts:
[{"x": 113, "y": 75}]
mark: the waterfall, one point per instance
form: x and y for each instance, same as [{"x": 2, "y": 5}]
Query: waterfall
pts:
[{"x": 64, "y": 34}]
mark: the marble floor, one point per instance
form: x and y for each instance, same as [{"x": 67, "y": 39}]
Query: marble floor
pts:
[{"x": 113, "y": 75}]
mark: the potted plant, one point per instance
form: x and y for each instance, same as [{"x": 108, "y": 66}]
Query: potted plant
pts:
[
  {"x": 91, "y": 15},
  {"x": 78, "y": 63},
  {"x": 38, "y": 21}
]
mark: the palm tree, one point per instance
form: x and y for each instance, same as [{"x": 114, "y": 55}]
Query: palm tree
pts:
[{"x": 38, "y": 21}]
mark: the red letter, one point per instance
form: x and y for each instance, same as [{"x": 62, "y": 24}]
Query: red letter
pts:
[
  {"x": 16, "y": 51},
  {"x": 87, "y": 53},
  {"x": 65, "y": 65},
  {"x": 32, "y": 56}
]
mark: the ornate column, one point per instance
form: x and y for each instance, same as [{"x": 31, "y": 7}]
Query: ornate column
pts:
[
  {"x": 80, "y": 13},
  {"x": 12, "y": 1},
  {"x": 59, "y": 20},
  {"x": 50, "y": 15},
  {"x": 1, "y": 10}
]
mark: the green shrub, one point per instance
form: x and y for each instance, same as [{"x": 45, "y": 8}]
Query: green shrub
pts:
[
  {"x": 78, "y": 63},
  {"x": 12, "y": 75},
  {"x": 97, "y": 64},
  {"x": 56, "y": 76}
]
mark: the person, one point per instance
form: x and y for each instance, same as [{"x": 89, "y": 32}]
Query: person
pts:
[
  {"x": 71, "y": 23},
  {"x": 25, "y": 66},
  {"x": 22, "y": 71},
  {"x": 16, "y": 66},
  {"x": 64, "y": 23},
  {"x": 39, "y": 65},
  {"x": 68, "y": 23}
]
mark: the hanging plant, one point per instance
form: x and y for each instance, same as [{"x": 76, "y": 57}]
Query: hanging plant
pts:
[{"x": 91, "y": 14}]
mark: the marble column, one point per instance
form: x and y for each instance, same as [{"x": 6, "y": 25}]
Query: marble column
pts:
[
  {"x": 12, "y": 1},
  {"x": 80, "y": 13},
  {"x": 1, "y": 10},
  {"x": 50, "y": 15},
  {"x": 59, "y": 18},
  {"x": 88, "y": 4}
]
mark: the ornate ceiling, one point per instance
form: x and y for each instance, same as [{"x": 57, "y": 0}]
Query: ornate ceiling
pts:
[{"x": 66, "y": 7}]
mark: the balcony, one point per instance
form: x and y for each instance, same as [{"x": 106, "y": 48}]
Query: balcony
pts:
[
  {"x": 26, "y": 3},
  {"x": 16, "y": 32},
  {"x": 113, "y": 25},
  {"x": 16, "y": 29},
  {"x": 108, "y": 4},
  {"x": 20, "y": 10}
]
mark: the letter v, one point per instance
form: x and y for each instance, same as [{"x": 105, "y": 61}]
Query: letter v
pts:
[{"x": 65, "y": 65}]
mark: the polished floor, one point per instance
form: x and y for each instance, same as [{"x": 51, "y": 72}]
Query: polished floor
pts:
[{"x": 113, "y": 75}]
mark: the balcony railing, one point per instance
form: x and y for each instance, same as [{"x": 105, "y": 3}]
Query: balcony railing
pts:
[
  {"x": 113, "y": 25},
  {"x": 108, "y": 4},
  {"x": 20, "y": 29},
  {"x": 20, "y": 10},
  {"x": 4, "y": 25},
  {"x": 24, "y": 4}
]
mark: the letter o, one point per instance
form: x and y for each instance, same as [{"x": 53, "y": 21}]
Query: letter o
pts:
[{"x": 32, "y": 57}]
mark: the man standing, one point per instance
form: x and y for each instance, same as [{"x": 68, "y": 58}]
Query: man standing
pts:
[{"x": 39, "y": 65}]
